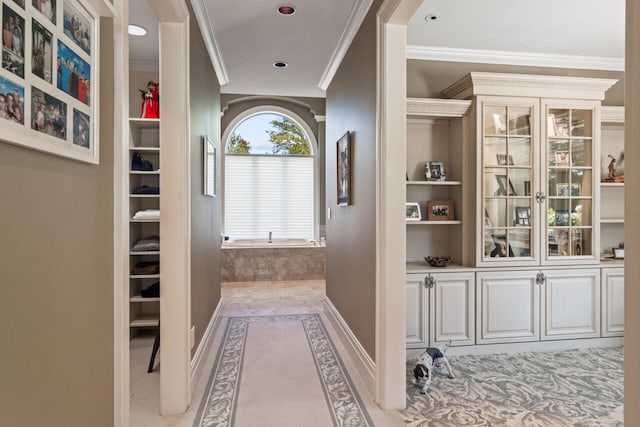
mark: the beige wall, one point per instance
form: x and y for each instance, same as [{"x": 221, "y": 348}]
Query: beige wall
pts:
[
  {"x": 139, "y": 80},
  {"x": 56, "y": 279},
  {"x": 351, "y": 231},
  {"x": 205, "y": 211}
]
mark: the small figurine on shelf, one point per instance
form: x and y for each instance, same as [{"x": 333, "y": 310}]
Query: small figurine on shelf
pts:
[
  {"x": 612, "y": 168},
  {"x": 150, "y": 108}
]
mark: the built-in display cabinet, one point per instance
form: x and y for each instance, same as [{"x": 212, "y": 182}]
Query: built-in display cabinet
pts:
[
  {"x": 144, "y": 224},
  {"x": 524, "y": 158}
]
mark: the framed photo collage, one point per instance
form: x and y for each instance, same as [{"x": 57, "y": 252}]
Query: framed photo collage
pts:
[{"x": 48, "y": 79}]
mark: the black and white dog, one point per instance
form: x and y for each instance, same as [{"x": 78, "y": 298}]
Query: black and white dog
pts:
[{"x": 423, "y": 371}]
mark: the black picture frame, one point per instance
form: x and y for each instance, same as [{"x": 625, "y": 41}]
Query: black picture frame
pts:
[
  {"x": 523, "y": 216},
  {"x": 500, "y": 243},
  {"x": 343, "y": 163},
  {"x": 561, "y": 218}
]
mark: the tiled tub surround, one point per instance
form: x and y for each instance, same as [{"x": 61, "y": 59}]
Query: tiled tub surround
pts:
[{"x": 269, "y": 262}]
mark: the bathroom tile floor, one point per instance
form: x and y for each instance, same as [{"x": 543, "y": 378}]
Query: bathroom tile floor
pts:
[{"x": 243, "y": 299}]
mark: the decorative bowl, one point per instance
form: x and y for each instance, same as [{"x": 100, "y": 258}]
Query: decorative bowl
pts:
[{"x": 439, "y": 261}]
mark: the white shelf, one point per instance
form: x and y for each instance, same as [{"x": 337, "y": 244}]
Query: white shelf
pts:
[
  {"x": 145, "y": 149},
  {"x": 435, "y": 183},
  {"x": 434, "y": 222},
  {"x": 612, "y": 184},
  {"x": 144, "y": 123},
  {"x": 144, "y": 276},
  {"x": 144, "y": 253},
  {"x": 145, "y": 196},
  {"x": 144, "y": 220},
  {"x": 141, "y": 299},
  {"x": 144, "y": 172},
  {"x": 145, "y": 321}
]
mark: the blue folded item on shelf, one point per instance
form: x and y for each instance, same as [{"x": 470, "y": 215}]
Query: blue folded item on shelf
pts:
[
  {"x": 138, "y": 163},
  {"x": 152, "y": 291},
  {"x": 146, "y": 189}
]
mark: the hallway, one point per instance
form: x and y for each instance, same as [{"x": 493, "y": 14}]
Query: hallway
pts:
[{"x": 246, "y": 299}]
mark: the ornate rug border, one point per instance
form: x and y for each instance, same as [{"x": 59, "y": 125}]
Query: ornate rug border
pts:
[{"x": 218, "y": 404}]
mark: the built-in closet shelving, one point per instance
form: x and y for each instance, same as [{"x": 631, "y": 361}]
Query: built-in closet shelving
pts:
[{"x": 143, "y": 140}]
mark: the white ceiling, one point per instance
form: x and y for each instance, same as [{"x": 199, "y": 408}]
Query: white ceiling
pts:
[{"x": 249, "y": 36}]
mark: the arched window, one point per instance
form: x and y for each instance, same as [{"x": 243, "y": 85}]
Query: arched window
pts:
[{"x": 269, "y": 176}]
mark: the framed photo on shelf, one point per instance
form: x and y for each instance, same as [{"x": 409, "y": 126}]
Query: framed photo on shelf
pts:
[
  {"x": 502, "y": 186},
  {"x": 523, "y": 216},
  {"x": 562, "y": 190},
  {"x": 413, "y": 212},
  {"x": 502, "y": 159},
  {"x": 434, "y": 171},
  {"x": 500, "y": 247},
  {"x": 343, "y": 161},
  {"x": 562, "y": 158},
  {"x": 440, "y": 210},
  {"x": 48, "y": 78},
  {"x": 499, "y": 124},
  {"x": 575, "y": 189},
  {"x": 561, "y": 218}
]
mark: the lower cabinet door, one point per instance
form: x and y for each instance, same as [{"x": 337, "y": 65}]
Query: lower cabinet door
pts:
[
  {"x": 612, "y": 281},
  {"x": 416, "y": 311},
  {"x": 508, "y": 307},
  {"x": 571, "y": 304},
  {"x": 452, "y": 309}
]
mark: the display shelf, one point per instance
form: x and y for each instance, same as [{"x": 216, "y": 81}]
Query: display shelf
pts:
[
  {"x": 144, "y": 196},
  {"x": 145, "y": 149},
  {"x": 612, "y": 184},
  {"x": 155, "y": 172},
  {"x": 136, "y": 123},
  {"x": 145, "y": 220},
  {"x": 612, "y": 221},
  {"x": 147, "y": 320}
]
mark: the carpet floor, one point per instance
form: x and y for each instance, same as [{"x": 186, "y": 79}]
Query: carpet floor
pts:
[
  {"x": 271, "y": 371},
  {"x": 566, "y": 388}
]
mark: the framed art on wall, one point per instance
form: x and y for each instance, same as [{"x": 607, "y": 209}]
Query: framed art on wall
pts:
[
  {"x": 49, "y": 78},
  {"x": 209, "y": 166},
  {"x": 343, "y": 162}
]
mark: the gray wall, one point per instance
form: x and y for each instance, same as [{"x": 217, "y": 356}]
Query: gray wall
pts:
[
  {"x": 351, "y": 231},
  {"x": 56, "y": 279},
  {"x": 205, "y": 210}
]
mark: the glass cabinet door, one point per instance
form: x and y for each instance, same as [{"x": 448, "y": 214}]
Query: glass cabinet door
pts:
[
  {"x": 507, "y": 182},
  {"x": 569, "y": 179}
]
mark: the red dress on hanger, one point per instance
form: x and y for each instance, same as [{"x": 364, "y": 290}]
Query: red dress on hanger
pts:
[{"x": 150, "y": 102}]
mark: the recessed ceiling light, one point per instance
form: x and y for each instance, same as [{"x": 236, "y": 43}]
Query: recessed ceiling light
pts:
[
  {"x": 432, "y": 17},
  {"x": 280, "y": 64},
  {"x": 136, "y": 30},
  {"x": 286, "y": 10}
]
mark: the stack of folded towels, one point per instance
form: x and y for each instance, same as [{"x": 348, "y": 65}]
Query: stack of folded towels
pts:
[
  {"x": 151, "y": 243},
  {"x": 147, "y": 214}
]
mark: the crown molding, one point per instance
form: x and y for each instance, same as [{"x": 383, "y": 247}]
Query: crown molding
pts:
[
  {"x": 144, "y": 65},
  {"x": 434, "y": 107},
  {"x": 206, "y": 28},
  {"x": 501, "y": 84},
  {"x": 231, "y": 102},
  {"x": 611, "y": 114},
  {"x": 357, "y": 15},
  {"x": 515, "y": 58}
]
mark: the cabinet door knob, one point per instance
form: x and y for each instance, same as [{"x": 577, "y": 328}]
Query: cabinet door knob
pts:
[
  {"x": 429, "y": 281},
  {"x": 540, "y": 278},
  {"x": 540, "y": 197}
]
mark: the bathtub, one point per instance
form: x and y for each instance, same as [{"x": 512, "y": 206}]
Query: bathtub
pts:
[
  {"x": 264, "y": 243},
  {"x": 255, "y": 260}
]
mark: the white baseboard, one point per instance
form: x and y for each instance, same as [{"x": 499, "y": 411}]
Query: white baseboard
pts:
[
  {"x": 523, "y": 347},
  {"x": 197, "y": 363},
  {"x": 365, "y": 365}
]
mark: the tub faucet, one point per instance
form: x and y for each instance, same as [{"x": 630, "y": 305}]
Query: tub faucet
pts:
[{"x": 270, "y": 241}]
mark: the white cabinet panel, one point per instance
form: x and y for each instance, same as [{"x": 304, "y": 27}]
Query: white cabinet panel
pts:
[
  {"x": 416, "y": 331},
  {"x": 571, "y": 304},
  {"x": 612, "y": 302},
  {"x": 452, "y": 309},
  {"x": 508, "y": 304}
]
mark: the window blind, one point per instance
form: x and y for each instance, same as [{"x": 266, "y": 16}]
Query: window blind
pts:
[{"x": 268, "y": 193}]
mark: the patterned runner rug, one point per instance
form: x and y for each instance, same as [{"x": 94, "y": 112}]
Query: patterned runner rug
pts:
[
  {"x": 279, "y": 371},
  {"x": 566, "y": 388}
]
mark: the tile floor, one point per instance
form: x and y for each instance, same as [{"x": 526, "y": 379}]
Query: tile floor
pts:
[{"x": 242, "y": 299}]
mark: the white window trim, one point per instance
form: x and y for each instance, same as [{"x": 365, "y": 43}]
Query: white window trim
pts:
[{"x": 265, "y": 109}]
